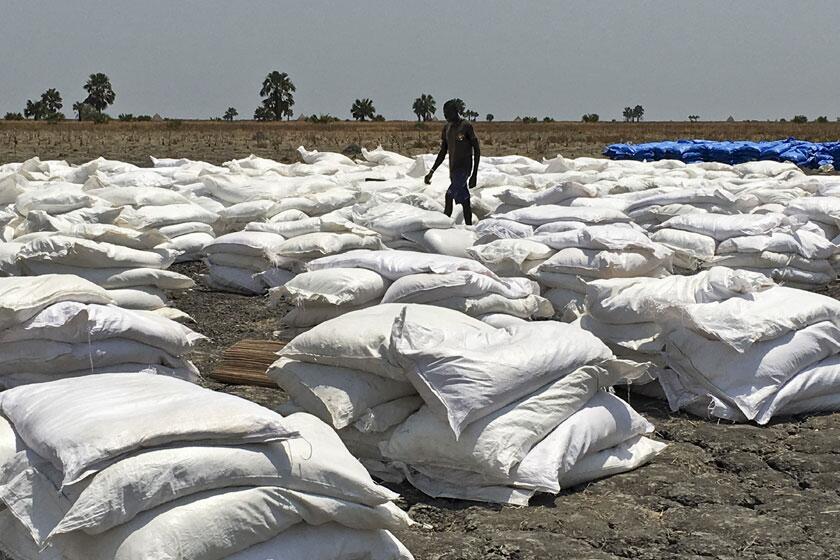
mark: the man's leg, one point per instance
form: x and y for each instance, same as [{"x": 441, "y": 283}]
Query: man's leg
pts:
[
  {"x": 447, "y": 206},
  {"x": 467, "y": 212}
]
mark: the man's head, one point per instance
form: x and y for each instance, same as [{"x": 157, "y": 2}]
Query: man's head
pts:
[{"x": 450, "y": 111}]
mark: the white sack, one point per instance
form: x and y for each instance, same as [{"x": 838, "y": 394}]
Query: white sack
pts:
[
  {"x": 395, "y": 264},
  {"x": 80, "y": 425},
  {"x": 360, "y": 340},
  {"x": 335, "y": 286},
  {"x": 336, "y": 395},
  {"x": 23, "y": 298},
  {"x": 466, "y": 377}
]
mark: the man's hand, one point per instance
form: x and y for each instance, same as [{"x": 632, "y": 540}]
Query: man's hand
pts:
[
  {"x": 428, "y": 178},
  {"x": 473, "y": 179}
]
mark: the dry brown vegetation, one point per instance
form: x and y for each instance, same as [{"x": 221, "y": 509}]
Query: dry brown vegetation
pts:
[{"x": 217, "y": 142}]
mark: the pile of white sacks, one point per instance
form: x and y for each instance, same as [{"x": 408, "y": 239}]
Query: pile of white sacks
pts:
[
  {"x": 778, "y": 246},
  {"x": 729, "y": 344},
  {"x": 61, "y": 326},
  {"x": 338, "y": 237},
  {"x": 466, "y": 410},
  {"x": 268, "y": 254},
  {"x": 117, "y": 225},
  {"x": 331, "y": 204},
  {"x": 357, "y": 279},
  {"x": 741, "y": 359},
  {"x": 127, "y": 466}
]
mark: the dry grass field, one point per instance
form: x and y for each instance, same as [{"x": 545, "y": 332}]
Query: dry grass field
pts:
[{"x": 217, "y": 142}]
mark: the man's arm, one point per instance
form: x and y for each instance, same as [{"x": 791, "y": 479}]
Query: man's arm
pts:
[
  {"x": 476, "y": 156},
  {"x": 440, "y": 157}
]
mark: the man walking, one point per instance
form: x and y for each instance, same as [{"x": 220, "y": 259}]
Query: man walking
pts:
[{"x": 460, "y": 142}]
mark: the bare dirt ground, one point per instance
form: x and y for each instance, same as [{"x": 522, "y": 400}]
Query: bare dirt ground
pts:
[{"x": 720, "y": 491}]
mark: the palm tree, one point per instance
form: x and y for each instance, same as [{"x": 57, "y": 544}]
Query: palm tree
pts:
[
  {"x": 277, "y": 89},
  {"x": 34, "y": 109},
  {"x": 424, "y": 107},
  {"x": 100, "y": 93},
  {"x": 362, "y": 109},
  {"x": 51, "y": 101}
]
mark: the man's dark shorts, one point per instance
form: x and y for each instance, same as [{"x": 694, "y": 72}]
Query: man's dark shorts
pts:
[{"x": 458, "y": 189}]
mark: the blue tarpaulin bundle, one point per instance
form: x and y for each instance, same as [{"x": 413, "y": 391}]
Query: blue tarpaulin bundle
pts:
[{"x": 800, "y": 152}]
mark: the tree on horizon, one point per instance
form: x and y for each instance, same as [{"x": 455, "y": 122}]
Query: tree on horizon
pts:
[
  {"x": 277, "y": 91},
  {"x": 48, "y": 107},
  {"x": 100, "y": 92},
  {"x": 424, "y": 107},
  {"x": 363, "y": 109},
  {"x": 230, "y": 114}
]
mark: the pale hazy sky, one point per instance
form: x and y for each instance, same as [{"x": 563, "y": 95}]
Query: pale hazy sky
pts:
[{"x": 193, "y": 59}]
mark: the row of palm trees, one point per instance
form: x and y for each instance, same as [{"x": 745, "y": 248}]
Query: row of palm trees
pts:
[
  {"x": 278, "y": 91},
  {"x": 100, "y": 95}
]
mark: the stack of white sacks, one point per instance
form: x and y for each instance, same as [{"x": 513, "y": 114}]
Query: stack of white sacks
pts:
[
  {"x": 628, "y": 314},
  {"x": 105, "y": 221},
  {"x": 785, "y": 248},
  {"x": 464, "y": 409},
  {"x": 236, "y": 260},
  {"x": 269, "y": 254},
  {"x": 125, "y": 466},
  {"x": 135, "y": 278},
  {"x": 342, "y": 283},
  {"x": 728, "y": 343},
  {"x": 653, "y": 193},
  {"x": 755, "y": 355},
  {"x": 401, "y": 225},
  {"x": 61, "y": 326},
  {"x": 562, "y": 256},
  {"x": 187, "y": 226}
]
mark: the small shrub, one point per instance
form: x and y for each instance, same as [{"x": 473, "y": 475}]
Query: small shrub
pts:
[
  {"x": 13, "y": 117},
  {"x": 322, "y": 119}
]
